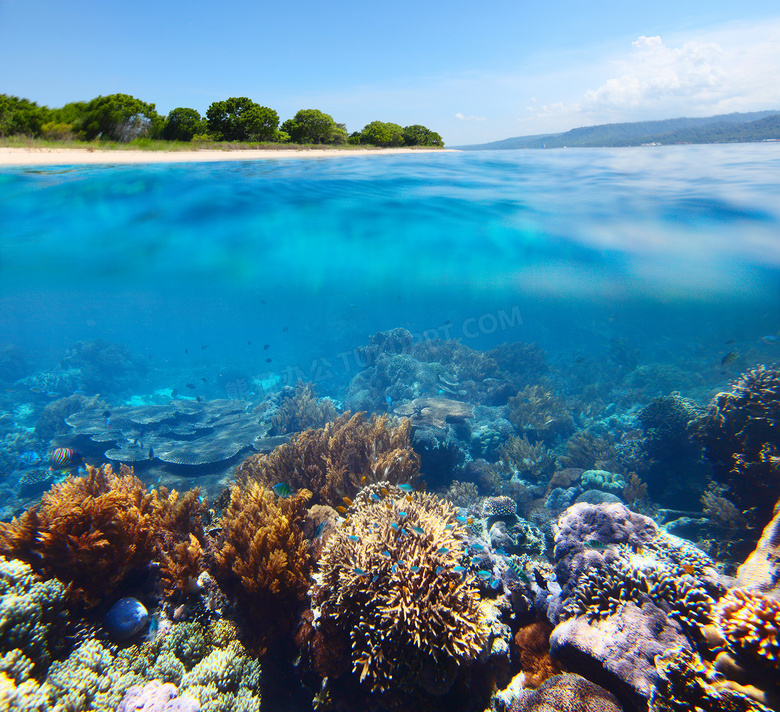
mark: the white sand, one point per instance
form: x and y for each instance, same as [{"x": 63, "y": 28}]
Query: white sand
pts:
[{"x": 72, "y": 156}]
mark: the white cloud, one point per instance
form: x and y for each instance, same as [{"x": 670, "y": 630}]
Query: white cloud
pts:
[
  {"x": 733, "y": 69},
  {"x": 469, "y": 118}
]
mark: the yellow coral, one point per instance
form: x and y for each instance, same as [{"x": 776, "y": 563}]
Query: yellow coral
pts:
[
  {"x": 388, "y": 577},
  {"x": 750, "y": 623}
]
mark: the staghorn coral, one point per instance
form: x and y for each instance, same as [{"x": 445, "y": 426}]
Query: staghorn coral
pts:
[
  {"x": 301, "y": 410},
  {"x": 90, "y": 531},
  {"x": 741, "y": 433},
  {"x": 684, "y": 684},
  {"x": 530, "y": 461},
  {"x": 535, "y": 412},
  {"x": 386, "y": 579},
  {"x": 335, "y": 461},
  {"x": 750, "y": 624},
  {"x": 261, "y": 554}
]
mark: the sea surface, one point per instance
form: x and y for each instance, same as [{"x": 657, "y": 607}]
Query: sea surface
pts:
[{"x": 199, "y": 266}]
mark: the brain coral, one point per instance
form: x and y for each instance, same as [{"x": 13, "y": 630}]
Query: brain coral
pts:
[{"x": 388, "y": 577}]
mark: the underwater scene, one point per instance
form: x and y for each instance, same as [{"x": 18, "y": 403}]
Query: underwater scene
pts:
[{"x": 431, "y": 432}]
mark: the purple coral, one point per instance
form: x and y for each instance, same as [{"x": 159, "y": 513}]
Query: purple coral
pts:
[{"x": 156, "y": 696}]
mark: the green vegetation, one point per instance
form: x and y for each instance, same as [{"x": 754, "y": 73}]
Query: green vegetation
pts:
[
  {"x": 725, "y": 128},
  {"x": 121, "y": 120}
]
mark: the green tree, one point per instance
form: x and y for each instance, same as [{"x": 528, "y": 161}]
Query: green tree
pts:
[
  {"x": 120, "y": 117},
  {"x": 182, "y": 124},
  {"x": 241, "y": 119},
  {"x": 417, "y": 135},
  {"x": 314, "y": 126},
  {"x": 21, "y": 116},
  {"x": 378, "y": 133}
]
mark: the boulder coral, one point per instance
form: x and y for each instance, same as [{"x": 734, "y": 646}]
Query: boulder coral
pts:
[
  {"x": 90, "y": 531},
  {"x": 391, "y": 579},
  {"x": 336, "y": 461}
]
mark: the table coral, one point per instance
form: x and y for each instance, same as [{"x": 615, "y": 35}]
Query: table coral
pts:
[
  {"x": 335, "y": 461},
  {"x": 89, "y": 531},
  {"x": 262, "y": 556},
  {"x": 389, "y": 578}
]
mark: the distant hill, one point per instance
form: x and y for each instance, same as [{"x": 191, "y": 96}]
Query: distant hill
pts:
[{"x": 726, "y": 128}]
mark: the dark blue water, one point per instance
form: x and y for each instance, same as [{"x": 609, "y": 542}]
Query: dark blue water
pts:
[{"x": 675, "y": 249}]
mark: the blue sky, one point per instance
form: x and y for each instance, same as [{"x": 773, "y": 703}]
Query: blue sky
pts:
[{"x": 474, "y": 72}]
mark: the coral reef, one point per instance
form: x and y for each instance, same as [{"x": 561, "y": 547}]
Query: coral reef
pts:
[
  {"x": 33, "y": 615},
  {"x": 90, "y": 531},
  {"x": 536, "y": 413},
  {"x": 587, "y": 451},
  {"x": 761, "y": 570},
  {"x": 532, "y": 651},
  {"x": 261, "y": 556},
  {"x": 461, "y": 494},
  {"x": 156, "y": 696},
  {"x": 186, "y": 434},
  {"x": 435, "y": 412},
  {"x": 567, "y": 693},
  {"x": 719, "y": 510},
  {"x": 334, "y": 462},
  {"x": 299, "y": 409},
  {"x": 51, "y": 422},
  {"x": 750, "y": 624},
  {"x": 390, "y": 579},
  {"x": 603, "y": 480},
  {"x": 741, "y": 435},
  {"x": 531, "y": 461}
]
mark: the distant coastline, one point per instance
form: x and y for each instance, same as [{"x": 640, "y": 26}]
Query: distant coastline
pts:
[
  {"x": 58, "y": 156},
  {"x": 753, "y": 127}
]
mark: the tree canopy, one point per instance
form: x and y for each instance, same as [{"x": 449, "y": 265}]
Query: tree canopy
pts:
[
  {"x": 241, "y": 119},
  {"x": 182, "y": 124},
  {"x": 417, "y": 135},
  {"x": 21, "y": 116},
  {"x": 314, "y": 126},
  {"x": 120, "y": 117}
]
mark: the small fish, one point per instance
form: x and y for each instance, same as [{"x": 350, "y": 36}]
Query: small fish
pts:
[
  {"x": 363, "y": 480},
  {"x": 409, "y": 498},
  {"x": 354, "y": 539},
  {"x": 770, "y": 339},
  {"x": 477, "y": 547},
  {"x": 439, "y": 569},
  {"x": 268, "y": 360},
  {"x": 470, "y": 520},
  {"x": 442, "y": 551},
  {"x": 689, "y": 569},
  {"x": 394, "y": 526},
  {"x": 728, "y": 342},
  {"x": 384, "y": 491},
  {"x": 79, "y": 393},
  {"x": 495, "y": 583},
  {"x": 186, "y": 351},
  {"x": 541, "y": 582},
  {"x": 174, "y": 393},
  {"x": 462, "y": 520},
  {"x": 52, "y": 394},
  {"x": 285, "y": 329},
  {"x": 596, "y": 545},
  {"x": 189, "y": 385},
  {"x": 359, "y": 572},
  {"x": 29, "y": 458},
  {"x": 151, "y": 453},
  {"x": 402, "y": 514},
  {"x": 248, "y": 343},
  {"x": 204, "y": 379},
  {"x": 475, "y": 561},
  {"x": 394, "y": 569},
  {"x": 320, "y": 530},
  {"x": 375, "y": 579},
  {"x": 266, "y": 347},
  {"x": 389, "y": 401},
  {"x": 729, "y": 358},
  {"x": 459, "y": 569},
  {"x": 418, "y": 530},
  {"x": 386, "y": 554},
  {"x": 484, "y": 575},
  {"x": 449, "y": 527},
  {"x": 199, "y": 399},
  {"x": 414, "y": 569},
  {"x": 347, "y": 501},
  {"x": 375, "y": 498},
  {"x": 519, "y": 571},
  {"x": 282, "y": 489},
  {"x": 35, "y": 389},
  {"x": 204, "y": 347},
  {"x": 406, "y": 488},
  {"x": 62, "y": 457},
  {"x": 341, "y": 509}
]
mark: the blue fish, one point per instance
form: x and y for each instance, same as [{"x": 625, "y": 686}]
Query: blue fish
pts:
[
  {"x": 495, "y": 583},
  {"x": 359, "y": 572},
  {"x": 414, "y": 569},
  {"x": 389, "y": 400},
  {"x": 418, "y": 530},
  {"x": 462, "y": 520},
  {"x": 402, "y": 514},
  {"x": 459, "y": 569},
  {"x": 282, "y": 489},
  {"x": 442, "y": 551},
  {"x": 449, "y": 527},
  {"x": 375, "y": 497},
  {"x": 29, "y": 458},
  {"x": 439, "y": 569},
  {"x": 125, "y": 618},
  {"x": 320, "y": 529},
  {"x": 394, "y": 568},
  {"x": 386, "y": 554},
  {"x": 484, "y": 575},
  {"x": 477, "y": 547},
  {"x": 353, "y": 538},
  {"x": 394, "y": 526},
  {"x": 406, "y": 488}
]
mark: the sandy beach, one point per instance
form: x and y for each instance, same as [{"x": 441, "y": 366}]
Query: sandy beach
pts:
[{"x": 81, "y": 156}]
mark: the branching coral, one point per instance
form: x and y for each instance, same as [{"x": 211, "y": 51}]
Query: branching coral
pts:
[
  {"x": 536, "y": 412},
  {"x": 302, "y": 410},
  {"x": 335, "y": 461},
  {"x": 530, "y": 461},
  {"x": 721, "y": 511},
  {"x": 389, "y": 578},
  {"x": 262, "y": 555},
  {"x": 587, "y": 451},
  {"x": 750, "y": 623},
  {"x": 89, "y": 531},
  {"x": 740, "y": 434}
]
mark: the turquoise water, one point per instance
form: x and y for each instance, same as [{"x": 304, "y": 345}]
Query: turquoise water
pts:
[{"x": 673, "y": 249}]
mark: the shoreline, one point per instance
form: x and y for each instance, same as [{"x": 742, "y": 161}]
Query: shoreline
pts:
[{"x": 85, "y": 156}]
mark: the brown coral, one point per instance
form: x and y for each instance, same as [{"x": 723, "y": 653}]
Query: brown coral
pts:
[
  {"x": 335, "y": 461},
  {"x": 262, "y": 556},
  {"x": 301, "y": 411},
  {"x": 750, "y": 623},
  {"x": 90, "y": 531},
  {"x": 536, "y": 412},
  {"x": 721, "y": 511},
  {"x": 389, "y": 578},
  {"x": 530, "y": 461},
  {"x": 589, "y": 451},
  {"x": 532, "y": 648}
]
